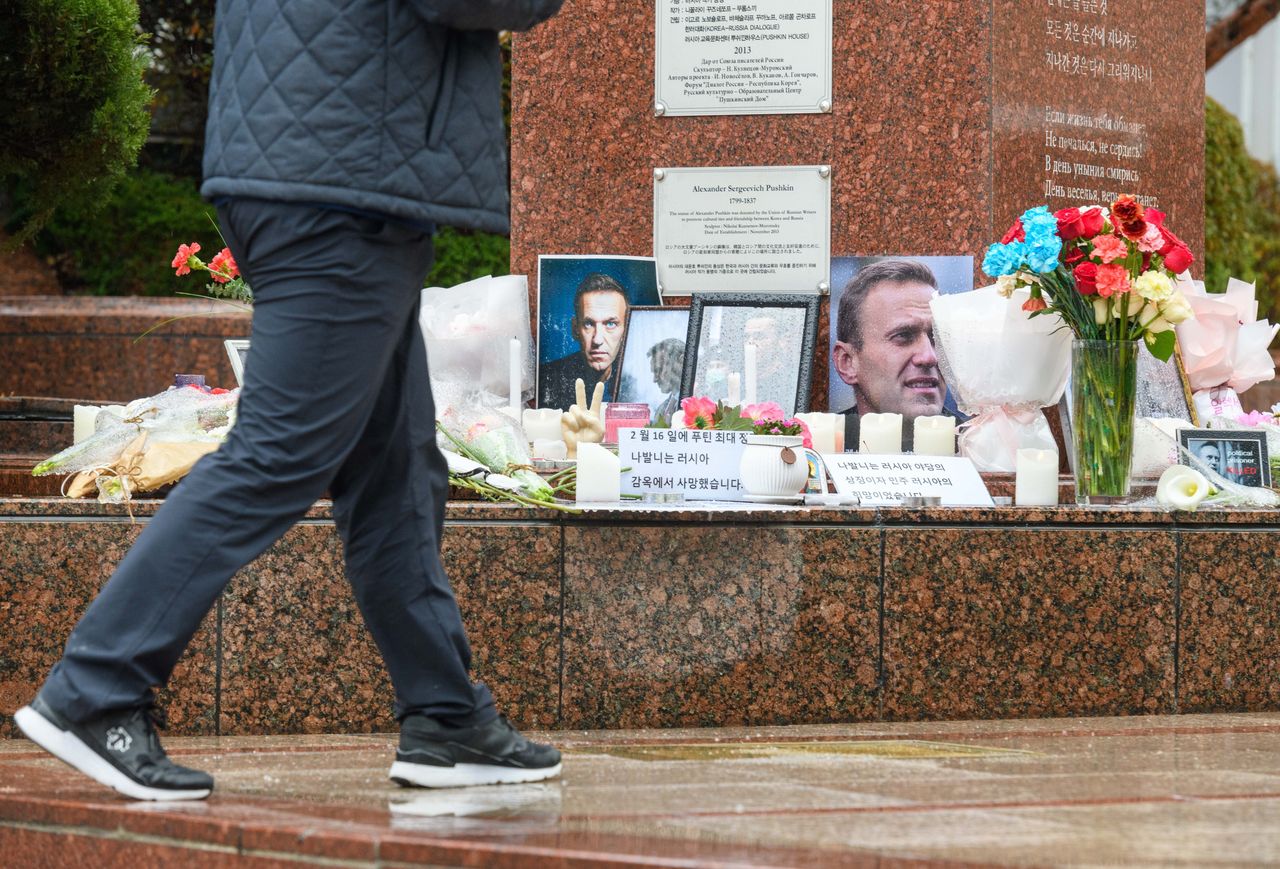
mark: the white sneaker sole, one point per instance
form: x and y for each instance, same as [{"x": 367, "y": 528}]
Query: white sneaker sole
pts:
[
  {"x": 462, "y": 775},
  {"x": 71, "y": 750}
]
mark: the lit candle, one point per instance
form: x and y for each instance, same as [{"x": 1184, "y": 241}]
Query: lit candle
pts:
[
  {"x": 935, "y": 436},
  {"x": 822, "y": 428},
  {"x": 84, "y": 417},
  {"x": 749, "y": 374},
  {"x": 734, "y": 384},
  {"x": 880, "y": 433},
  {"x": 1036, "y": 483},
  {"x": 541, "y": 424},
  {"x": 515, "y": 373},
  {"x": 599, "y": 475}
]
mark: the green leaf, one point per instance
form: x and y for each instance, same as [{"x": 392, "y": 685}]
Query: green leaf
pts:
[{"x": 1161, "y": 344}]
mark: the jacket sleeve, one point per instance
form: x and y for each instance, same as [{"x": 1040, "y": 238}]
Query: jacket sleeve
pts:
[{"x": 486, "y": 14}]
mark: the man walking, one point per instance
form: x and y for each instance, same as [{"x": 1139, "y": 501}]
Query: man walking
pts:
[{"x": 336, "y": 142}]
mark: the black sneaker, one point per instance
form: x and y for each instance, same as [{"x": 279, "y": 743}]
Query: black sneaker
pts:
[
  {"x": 120, "y": 750},
  {"x": 432, "y": 755}
]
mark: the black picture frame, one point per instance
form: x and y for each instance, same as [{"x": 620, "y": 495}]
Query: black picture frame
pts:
[
  {"x": 802, "y": 338},
  {"x": 636, "y": 381},
  {"x": 1241, "y": 455}
]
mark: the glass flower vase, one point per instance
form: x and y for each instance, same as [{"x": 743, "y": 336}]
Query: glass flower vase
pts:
[{"x": 1104, "y": 389}]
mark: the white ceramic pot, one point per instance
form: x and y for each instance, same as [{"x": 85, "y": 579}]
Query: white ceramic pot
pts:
[{"x": 765, "y": 469}]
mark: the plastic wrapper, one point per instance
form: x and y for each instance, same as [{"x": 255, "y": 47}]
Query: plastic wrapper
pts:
[
  {"x": 490, "y": 436},
  {"x": 1155, "y": 445},
  {"x": 142, "y": 466},
  {"x": 1226, "y": 492},
  {"x": 1003, "y": 367},
  {"x": 1224, "y": 348},
  {"x": 468, "y": 330}
]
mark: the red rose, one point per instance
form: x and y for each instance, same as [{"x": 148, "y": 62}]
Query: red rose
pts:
[
  {"x": 1177, "y": 256},
  {"x": 1126, "y": 217},
  {"x": 1015, "y": 233},
  {"x": 1070, "y": 223},
  {"x": 1093, "y": 220},
  {"x": 1086, "y": 275},
  {"x": 1152, "y": 215},
  {"x": 1072, "y": 255}
]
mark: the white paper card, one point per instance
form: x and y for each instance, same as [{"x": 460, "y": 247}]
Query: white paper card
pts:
[
  {"x": 701, "y": 465},
  {"x": 765, "y": 57},
  {"x": 886, "y": 480},
  {"x": 746, "y": 229}
]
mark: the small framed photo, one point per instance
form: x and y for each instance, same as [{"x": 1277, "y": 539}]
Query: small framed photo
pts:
[
  {"x": 238, "y": 351},
  {"x": 652, "y": 358},
  {"x": 750, "y": 347},
  {"x": 1239, "y": 455}
]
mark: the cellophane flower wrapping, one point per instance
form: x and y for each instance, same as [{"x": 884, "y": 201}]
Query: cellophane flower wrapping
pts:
[
  {"x": 490, "y": 435},
  {"x": 468, "y": 330},
  {"x": 1225, "y": 348},
  {"x": 1003, "y": 367}
]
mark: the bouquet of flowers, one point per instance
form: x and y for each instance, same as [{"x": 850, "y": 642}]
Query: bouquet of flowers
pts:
[{"x": 1107, "y": 271}]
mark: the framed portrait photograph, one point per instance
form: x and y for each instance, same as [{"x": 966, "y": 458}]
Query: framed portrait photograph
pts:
[
  {"x": 751, "y": 347},
  {"x": 582, "y": 321},
  {"x": 881, "y": 333},
  {"x": 1238, "y": 455},
  {"x": 652, "y": 358}
]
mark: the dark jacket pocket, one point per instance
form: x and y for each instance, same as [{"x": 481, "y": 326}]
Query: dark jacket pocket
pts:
[{"x": 444, "y": 96}]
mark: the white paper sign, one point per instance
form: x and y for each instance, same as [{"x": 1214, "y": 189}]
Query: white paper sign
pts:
[
  {"x": 886, "y": 480},
  {"x": 701, "y": 465},
  {"x": 746, "y": 229},
  {"x": 763, "y": 57}
]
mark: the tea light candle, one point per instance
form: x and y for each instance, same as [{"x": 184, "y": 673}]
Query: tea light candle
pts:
[
  {"x": 823, "y": 428},
  {"x": 547, "y": 448},
  {"x": 733, "y": 384},
  {"x": 84, "y": 417},
  {"x": 541, "y": 424},
  {"x": 935, "y": 436},
  {"x": 514, "y": 374},
  {"x": 599, "y": 475},
  {"x": 880, "y": 433},
  {"x": 1036, "y": 483},
  {"x": 749, "y": 374}
]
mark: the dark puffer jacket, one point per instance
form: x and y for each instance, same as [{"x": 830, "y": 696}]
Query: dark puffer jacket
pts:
[{"x": 385, "y": 106}]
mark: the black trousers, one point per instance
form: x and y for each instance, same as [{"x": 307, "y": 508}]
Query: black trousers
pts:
[{"x": 336, "y": 396}]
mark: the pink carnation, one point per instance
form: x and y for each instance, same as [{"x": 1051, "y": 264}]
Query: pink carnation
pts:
[
  {"x": 1109, "y": 248},
  {"x": 698, "y": 412},
  {"x": 186, "y": 253},
  {"x": 1254, "y": 418},
  {"x": 1112, "y": 279},
  {"x": 1152, "y": 240}
]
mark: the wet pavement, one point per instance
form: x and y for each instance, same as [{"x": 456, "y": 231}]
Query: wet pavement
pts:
[{"x": 1195, "y": 790}]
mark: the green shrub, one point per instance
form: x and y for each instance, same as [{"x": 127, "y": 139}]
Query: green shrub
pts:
[
  {"x": 73, "y": 107},
  {"x": 125, "y": 247},
  {"x": 462, "y": 256}
]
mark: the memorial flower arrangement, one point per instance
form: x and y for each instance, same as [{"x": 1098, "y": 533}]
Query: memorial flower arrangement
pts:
[
  {"x": 763, "y": 418},
  {"x": 1108, "y": 272},
  {"x": 225, "y": 284}
]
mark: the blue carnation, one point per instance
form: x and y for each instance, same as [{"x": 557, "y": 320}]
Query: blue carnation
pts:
[
  {"x": 1004, "y": 259},
  {"x": 1042, "y": 256}
]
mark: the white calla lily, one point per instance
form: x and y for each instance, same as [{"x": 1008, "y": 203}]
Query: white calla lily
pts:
[{"x": 1182, "y": 488}]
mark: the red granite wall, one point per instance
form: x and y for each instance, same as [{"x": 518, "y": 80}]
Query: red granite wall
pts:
[{"x": 937, "y": 134}]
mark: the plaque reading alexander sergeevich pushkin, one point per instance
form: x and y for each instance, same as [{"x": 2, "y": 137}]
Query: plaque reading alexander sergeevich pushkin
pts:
[
  {"x": 736, "y": 58},
  {"x": 746, "y": 229}
]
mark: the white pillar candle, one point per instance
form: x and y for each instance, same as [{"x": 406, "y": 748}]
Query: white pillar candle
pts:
[
  {"x": 749, "y": 374},
  {"x": 677, "y": 419},
  {"x": 1036, "y": 483},
  {"x": 84, "y": 417},
  {"x": 547, "y": 448},
  {"x": 515, "y": 374},
  {"x": 935, "y": 436},
  {"x": 599, "y": 475},
  {"x": 542, "y": 423},
  {"x": 880, "y": 433},
  {"x": 734, "y": 385},
  {"x": 822, "y": 427}
]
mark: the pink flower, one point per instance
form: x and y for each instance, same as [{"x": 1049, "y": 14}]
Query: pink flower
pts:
[
  {"x": 804, "y": 431},
  {"x": 762, "y": 410},
  {"x": 1035, "y": 303},
  {"x": 698, "y": 412},
  {"x": 1254, "y": 418},
  {"x": 1112, "y": 279},
  {"x": 1109, "y": 248},
  {"x": 1152, "y": 240},
  {"x": 223, "y": 267},
  {"x": 182, "y": 259}
]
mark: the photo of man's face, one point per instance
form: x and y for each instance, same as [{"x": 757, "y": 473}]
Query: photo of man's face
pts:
[
  {"x": 1211, "y": 456},
  {"x": 599, "y": 326},
  {"x": 889, "y": 357}
]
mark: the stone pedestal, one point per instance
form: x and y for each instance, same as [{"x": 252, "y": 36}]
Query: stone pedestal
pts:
[{"x": 949, "y": 119}]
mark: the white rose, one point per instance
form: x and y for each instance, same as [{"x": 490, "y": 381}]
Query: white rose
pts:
[
  {"x": 1176, "y": 309},
  {"x": 1181, "y": 488},
  {"x": 1100, "y": 311},
  {"x": 1155, "y": 322},
  {"x": 1126, "y": 305}
]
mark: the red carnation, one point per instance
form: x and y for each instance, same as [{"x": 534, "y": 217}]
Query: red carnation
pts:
[
  {"x": 1035, "y": 303},
  {"x": 1086, "y": 275},
  {"x": 1015, "y": 233},
  {"x": 1126, "y": 217},
  {"x": 1072, "y": 256}
]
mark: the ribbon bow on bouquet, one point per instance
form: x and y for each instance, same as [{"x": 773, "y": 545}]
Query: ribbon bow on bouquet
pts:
[{"x": 1225, "y": 347}]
